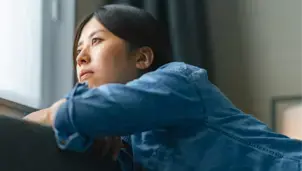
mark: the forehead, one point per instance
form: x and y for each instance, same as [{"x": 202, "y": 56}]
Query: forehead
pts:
[{"x": 90, "y": 27}]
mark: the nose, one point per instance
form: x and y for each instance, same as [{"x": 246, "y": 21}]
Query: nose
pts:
[{"x": 83, "y": 57}]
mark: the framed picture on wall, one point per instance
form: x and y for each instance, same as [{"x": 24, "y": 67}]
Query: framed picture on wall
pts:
[{"x": 287, "y": 116}]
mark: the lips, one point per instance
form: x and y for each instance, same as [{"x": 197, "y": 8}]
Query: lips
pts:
[{"x": 85, "y": 74}]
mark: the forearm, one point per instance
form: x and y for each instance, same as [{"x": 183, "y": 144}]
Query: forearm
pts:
[
  {"x": 117, "y": 110},
  {"x": 154, "y": 101},
  {"x": 40, "y": 116}
]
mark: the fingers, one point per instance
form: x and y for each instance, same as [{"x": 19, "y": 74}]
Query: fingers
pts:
[
  {"x": 35, "y": 116},
  {"x": 38, "y": 116},
  {"x": 116, "y": 147},
  {"x": 100, "y": 147},
  {"x": 108, "y": 146}
]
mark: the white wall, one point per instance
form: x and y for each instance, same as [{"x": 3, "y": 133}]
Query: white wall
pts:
[{"x": 257, "y": 51}]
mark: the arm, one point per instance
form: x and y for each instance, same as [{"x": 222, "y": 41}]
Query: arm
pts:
[
  {"x": 156, "y": 100},
  {"x": 44, "y": 116},
  {"x": 40, "y": 116}
]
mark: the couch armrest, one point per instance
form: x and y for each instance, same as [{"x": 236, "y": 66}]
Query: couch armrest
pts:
[{"x": 26, "y": 146}]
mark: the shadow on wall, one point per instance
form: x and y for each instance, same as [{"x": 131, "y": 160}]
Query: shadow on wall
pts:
[{"x": 230, "y": 51}]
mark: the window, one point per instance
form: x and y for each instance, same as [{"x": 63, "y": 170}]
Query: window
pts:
[{"x": 36, "y": 50}]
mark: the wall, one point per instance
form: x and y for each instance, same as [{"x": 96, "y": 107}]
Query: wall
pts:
[
  {"x": 84, "y": 7},
  {"x": 257, "y": 51}
]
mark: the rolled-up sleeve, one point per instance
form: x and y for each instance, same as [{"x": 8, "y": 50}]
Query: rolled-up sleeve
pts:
[
  {"x": 66, "y": 135},
  {"x": 156, "y": 100}
]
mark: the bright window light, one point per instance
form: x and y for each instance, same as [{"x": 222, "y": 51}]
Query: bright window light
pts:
[
  {"x": 36, "y": 50},
  {"x": 20, "y": 44}
]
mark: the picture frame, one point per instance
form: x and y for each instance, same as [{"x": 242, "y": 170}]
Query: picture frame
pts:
[{"x": 286, "y": 115}]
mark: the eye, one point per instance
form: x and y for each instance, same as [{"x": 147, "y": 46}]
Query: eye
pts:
[
  {"x": 96, "y": 41},
  {"x": 78, "y": 51}
]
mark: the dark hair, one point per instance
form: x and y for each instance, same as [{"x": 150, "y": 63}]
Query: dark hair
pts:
[{"x": 137, "y": 27}]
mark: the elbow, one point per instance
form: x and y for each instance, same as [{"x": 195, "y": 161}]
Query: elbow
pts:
[{"x": 62, "y": 120}]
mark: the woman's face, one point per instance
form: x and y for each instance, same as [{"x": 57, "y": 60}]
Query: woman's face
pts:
[{"x": 103, "y": 57}]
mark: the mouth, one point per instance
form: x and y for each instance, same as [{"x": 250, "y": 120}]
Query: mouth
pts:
[{"x": 84, "y": 75}]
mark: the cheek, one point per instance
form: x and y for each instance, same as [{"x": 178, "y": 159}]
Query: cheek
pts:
[
  {"x": 112, "y": 64},
  {"x": 109, "y": 55}
]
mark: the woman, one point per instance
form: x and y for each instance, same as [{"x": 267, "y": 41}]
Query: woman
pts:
[{"x": 176, "y": 119}]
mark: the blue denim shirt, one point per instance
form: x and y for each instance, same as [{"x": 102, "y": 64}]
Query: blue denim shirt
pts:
[{"x": 177, "y": 120}]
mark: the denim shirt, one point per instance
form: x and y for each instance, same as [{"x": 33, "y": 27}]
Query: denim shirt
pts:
[{"x": 176, "y": 120}]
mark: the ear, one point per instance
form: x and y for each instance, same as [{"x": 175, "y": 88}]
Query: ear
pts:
[{"x": 144, "y": 58}]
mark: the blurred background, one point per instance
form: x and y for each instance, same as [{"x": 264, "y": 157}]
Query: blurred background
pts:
[{"x": 251, "y": 49}]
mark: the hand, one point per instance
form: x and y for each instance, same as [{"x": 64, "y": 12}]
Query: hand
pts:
[
  {"x": 45, "y": 116},
  {"x": 101, "y": 147},
  {"x": 40, "y": 116}
]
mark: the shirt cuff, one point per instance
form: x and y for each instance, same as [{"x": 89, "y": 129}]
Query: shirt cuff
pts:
[
  {"x": 67, "y": 136},
  {"x": 73, "y": 142}
]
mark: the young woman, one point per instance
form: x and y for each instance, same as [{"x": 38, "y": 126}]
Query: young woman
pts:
[{"x": 175, "y": 118}]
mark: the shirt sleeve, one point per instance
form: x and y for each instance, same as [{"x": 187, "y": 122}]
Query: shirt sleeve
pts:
[{"x": 156, "y": 100}]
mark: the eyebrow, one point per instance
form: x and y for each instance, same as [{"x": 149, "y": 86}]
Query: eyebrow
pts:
[{"x": 91, "y": 35}]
